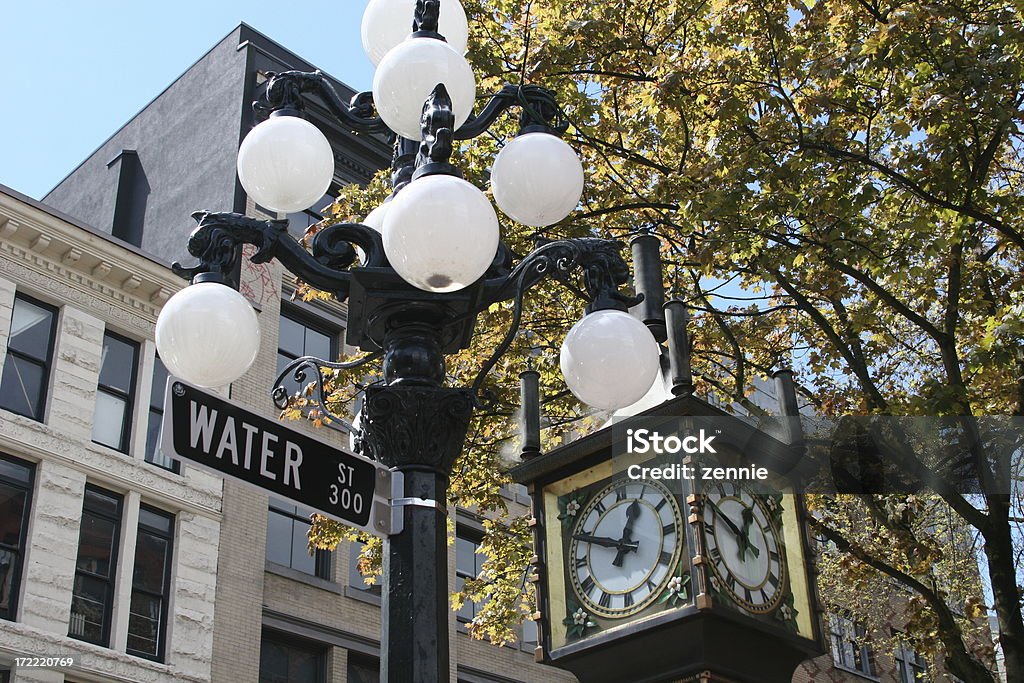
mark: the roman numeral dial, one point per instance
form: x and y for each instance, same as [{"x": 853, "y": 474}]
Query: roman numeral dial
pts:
[
  {"x": 744, "y": 547},
  {"x": 624, "y": 547}
]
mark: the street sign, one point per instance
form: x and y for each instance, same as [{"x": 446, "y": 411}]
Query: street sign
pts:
[{"x": 220, "y": 436}]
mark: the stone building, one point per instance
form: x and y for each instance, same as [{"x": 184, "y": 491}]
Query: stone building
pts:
[{"x": 106, "y": 557}]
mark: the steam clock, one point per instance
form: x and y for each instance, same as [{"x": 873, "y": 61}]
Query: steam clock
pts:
[{"x": 667, "y": 565}]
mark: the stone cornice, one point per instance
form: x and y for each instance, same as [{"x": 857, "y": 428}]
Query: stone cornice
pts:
[{"x": 77, "y": 264}]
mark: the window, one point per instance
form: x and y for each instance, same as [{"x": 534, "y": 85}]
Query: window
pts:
[
  {"x": 284, "y": 660},
  {"x": 297, "y": 339},
  {"x": 528, "y": 641},
  {"x": 15, "y": 498},
  {"x": 93, "y": 595},
  {"x": 156, "y": 416},
  {"x": 29, "y": 355},
  {"x": 114, "y": 397},
  {"x": 151, "y": 584},
  {"x": 911, "y": 667},
  {"x": 363, "y": 669},
  {"x": 850, "y": 649},
  {"x": 287, "y": 540},
  {"x": 300, "y": 221},
  {"x": 468, "y": 565},
  {"x": 355, "y": 577}
]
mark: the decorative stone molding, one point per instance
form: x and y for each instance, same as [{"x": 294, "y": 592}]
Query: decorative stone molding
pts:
[
  {"x": 71, "y": 256},
  {"x": 101, "y": 270},
  {"x": 40, "y": 243},
  {"x": 131, "y": 283},
  {"x": 160, "y": 296},
  {"x": 8, "y": 226}
]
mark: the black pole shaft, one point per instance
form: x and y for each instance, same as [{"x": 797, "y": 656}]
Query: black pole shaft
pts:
[
  {"x": 785, "y": 395},
  {"x": 414, "y": 604},
  {"x": 417, "y": 427}
]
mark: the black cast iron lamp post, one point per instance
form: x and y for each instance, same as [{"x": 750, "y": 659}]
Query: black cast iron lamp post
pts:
[{"x": 415, "y": 282}]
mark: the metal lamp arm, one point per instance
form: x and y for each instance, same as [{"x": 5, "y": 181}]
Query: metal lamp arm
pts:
[
  {"x": 218, "y": 239},
  {"x": 603, "y": 270},
  {"x": 285, "y": 89},
  {"x": 538, "y": 104}
]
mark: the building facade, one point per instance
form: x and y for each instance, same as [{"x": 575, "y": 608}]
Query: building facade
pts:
[{"x": 108, "y": 557}]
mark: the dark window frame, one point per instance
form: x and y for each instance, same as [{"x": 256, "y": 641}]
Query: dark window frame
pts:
[
  {"x": 47, "y": 365},
  {"x": 129, "y": 397},
  {"x": 910, "y": 662},
  {"x": 322, "y": 559},
  {"x": 289, "y": 640},
  {"x": 843, "y": 629},
  {"x": 165, "y": 594},
  {"x": 362, "y": 661},
  {"x": 475, "y": 537},
  {"x": 157, "y": 413},
  {"x": 17, "y": 565},
  {"x": 311, "y": 322},
  {"x": 310, "y": 216},
  {"x": 111, "y": 581}
]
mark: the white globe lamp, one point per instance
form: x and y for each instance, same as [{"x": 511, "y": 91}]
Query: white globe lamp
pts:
[
  {"x": 441, "y": 233},
  {"x": 207, "y": 334},
  {"x": 609, "y": 359},
  {"x": 408, "y": 75},
  {"x": 375, "y": 219},
  {"x": 386, "y": 23},
  {"x": 285, "y": 164},
  {"x": 537, "y": 179}
]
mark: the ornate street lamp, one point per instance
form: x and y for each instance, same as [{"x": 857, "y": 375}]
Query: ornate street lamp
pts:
[{"x": 428, "y": 262}]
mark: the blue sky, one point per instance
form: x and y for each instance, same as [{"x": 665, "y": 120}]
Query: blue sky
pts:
[{"x": 77, "y": 70}]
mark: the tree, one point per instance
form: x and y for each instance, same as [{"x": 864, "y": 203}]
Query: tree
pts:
[{"x": 853, "y": 165}]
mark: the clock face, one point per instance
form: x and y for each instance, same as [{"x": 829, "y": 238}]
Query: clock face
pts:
[
  {"x": 625, "y": 547},
  {"x": 744, "y": 547}
]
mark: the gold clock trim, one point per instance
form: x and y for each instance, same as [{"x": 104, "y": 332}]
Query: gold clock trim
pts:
[
  {"x": 659, "y": 588},
  {"x": 780, "y": 592}
]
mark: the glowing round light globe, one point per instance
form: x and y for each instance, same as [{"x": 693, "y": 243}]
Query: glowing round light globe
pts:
[
  {"x": 285, "y": 164},
  {"x": 609, "y": 359},
  {"x": 386, "y": 23},
  {"x": 207, "y": 334},
  {"x": 537, "y": 179},
  {"x": 375, "y": 219},
  {"x": 408, "y": 74},
  {"x": 440, "y": 234}
]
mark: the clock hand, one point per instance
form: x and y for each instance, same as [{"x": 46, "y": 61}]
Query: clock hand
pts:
[
  {"x": 741, "y": 537},
  {"x": 725, "y": 518},
  {"x": 632, "y": 512},
  {"x": 605, "y": 541},
  {"x": 748, "y": 519}
]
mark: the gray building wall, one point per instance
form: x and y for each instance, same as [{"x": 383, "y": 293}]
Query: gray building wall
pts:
[{"x": 185, "y": 143}]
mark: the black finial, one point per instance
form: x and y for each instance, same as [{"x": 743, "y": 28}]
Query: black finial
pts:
[
  {"x": 647, "y": 278},
  {"x": 677, "y": 319},
  {"x": 529, "y": 397},
  {"x": 438, "y": 125}
]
